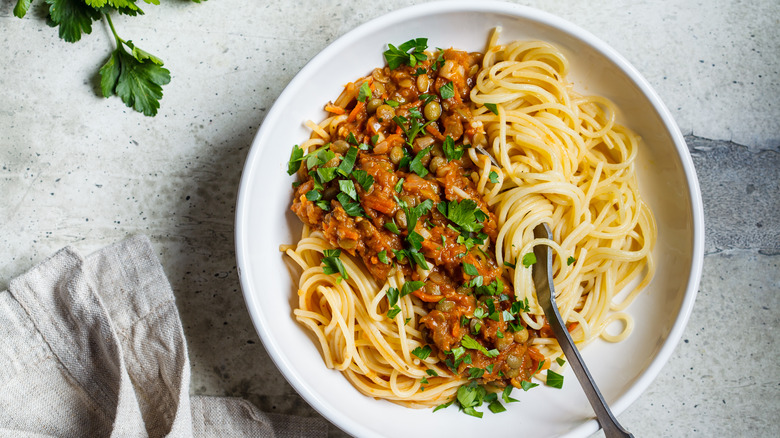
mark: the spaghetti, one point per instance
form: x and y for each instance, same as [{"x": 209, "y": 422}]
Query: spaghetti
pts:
[{"x": 414, "y": 271}]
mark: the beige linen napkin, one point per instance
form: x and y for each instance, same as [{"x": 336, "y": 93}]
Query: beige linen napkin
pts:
[{"x": 93, "y": 346}]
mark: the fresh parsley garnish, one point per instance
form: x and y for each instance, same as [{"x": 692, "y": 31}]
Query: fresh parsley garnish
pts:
[
  {"x": 422, "y": 352},
  {"x": 472, "y": 344},
  {"x": 416, "y": 165},
  {"x": 493, "y": 177},
  {"x": 333, "y": 264},
  {"x": 410, "y": 53},
  {"x": 352, "y": 208},
  {"x": 554, "y": 379},
  {"x": 363, "y": 178},
  {"x": 492, "y": 107},
  {"x": 526, "y": 385},
  {"x": 364, "y": 93},
  {"x": 382, "y": 256},
  {"x": 348, "y": 187},
  {"x": 411, "y": 286},
  {"x": 570, "y": 260},
  {"x": 529, "y": 259},
  {"x": 447, "y": 91},
  {"x": 465, "y": 214},
  {"x": 451, "y": 152},
  {"x": 296, "y": 156},
  {"x": 348, "y": 162}
]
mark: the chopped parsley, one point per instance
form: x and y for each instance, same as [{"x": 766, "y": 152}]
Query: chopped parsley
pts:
[
  {"x": 382, "y": 256},
  {"x": 352, "y": 208},
  {"x": 364, "y": 93},
  {"x": 348, "y": 162},
  {"x": 451, "y": 152},
  {"x": 399, "y": 185},
  {"x": 447, "y": 91},
  {"x": 296, "y": 156},
  {"x": 411, "y": 286},
  {"x": 422, "y": 352},
  {"x": 570, "y": 260},
  {"x": 472, "y": 344},
  {"x": 465, "y": 214},
  {"x": 409, "y": 53},
  {"x": 348, "y": 187},
  {"x": 333, "y": 264},
  {"x": 526, "y": 385},
  {"x": 554, "y": 379},
  {"x": 363, "y": 179},
  {"x": 529, "y": 259},
  {"x": 492, "y": 107},
  {"x": 493, "y": 176}
]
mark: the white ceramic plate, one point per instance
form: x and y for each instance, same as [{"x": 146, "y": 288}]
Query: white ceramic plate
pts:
[{"x": 667, "y": 181}]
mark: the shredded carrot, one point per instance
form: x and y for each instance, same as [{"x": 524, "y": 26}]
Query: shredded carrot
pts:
[
  {"x": 334, "y": 109},
  {"x": 384, "y": 205},
  {"x": 353, "y": 114},
  {"x": 434, "y": 132}
]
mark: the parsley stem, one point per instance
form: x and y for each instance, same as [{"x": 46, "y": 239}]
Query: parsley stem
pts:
[{"x": 119, "y": 41}]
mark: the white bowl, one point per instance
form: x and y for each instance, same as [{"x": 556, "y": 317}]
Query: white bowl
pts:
[{"x": 667, "y": 181}]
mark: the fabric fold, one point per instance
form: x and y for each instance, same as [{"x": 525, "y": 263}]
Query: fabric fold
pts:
[{"x": 94, "y": 347}]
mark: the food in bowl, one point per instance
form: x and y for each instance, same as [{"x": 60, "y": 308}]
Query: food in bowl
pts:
[{"x": 419, "y": 194}]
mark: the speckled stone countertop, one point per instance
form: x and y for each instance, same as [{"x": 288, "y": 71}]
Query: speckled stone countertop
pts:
[{"x": 80, "y": 170}]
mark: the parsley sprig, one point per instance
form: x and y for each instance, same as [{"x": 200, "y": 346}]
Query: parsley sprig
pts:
[
  {"x": 410, "y": 53},
  {"x": 134, "y": 75}
]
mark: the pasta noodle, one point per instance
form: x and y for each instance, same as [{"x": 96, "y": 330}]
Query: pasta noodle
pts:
[{"x": 540, "y": 152}]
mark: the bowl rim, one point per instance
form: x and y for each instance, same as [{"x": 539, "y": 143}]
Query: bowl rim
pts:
[{"x": 456, "y": 6}]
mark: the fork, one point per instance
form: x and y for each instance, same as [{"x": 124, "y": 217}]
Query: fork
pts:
[{"x": 545, "y": 293}]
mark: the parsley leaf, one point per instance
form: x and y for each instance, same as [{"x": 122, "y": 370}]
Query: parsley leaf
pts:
[
  {"x": 382, "y": 256},
  {"x": 351, "y": 207},
  {"x": 529, "y": 259},
  {"x": 296, "y": 156},
  {"x": 472, "y": 344},
  {"x": 451, "y": 152},
  {"x": 416, "y": 165},
  {"x": 505, "y": 394},
  {"x": 410, "y": 52},
  {"x": 570, "y": 260},
  {"x": 493, "y": 177},
  {"x": 348, "y": 187},
  {"x": 560, "y": 361},
  {"x": 73, "y": 17},
  {"x": 333, "y": 264},
  {"x": 348, "y": 162},
  {"x": 411, "y": 286},
  {"x": 392, "y": 296},
  {"x": 447, "y": 91},
  {"x": 399, "y": 185},
  {"x": 136, "y": 78},
  {"x": 554, "y": 379},
  {"x": 470, "y": 269},
  {"x": 364, "y": 93},
  {"x": 492, "y": 107},
  {"x": 363, "y": 178},
  {"x": 526, "y": 385},
  {"x": 423, "y": 352},
  {"x": 464, "y": 214}
]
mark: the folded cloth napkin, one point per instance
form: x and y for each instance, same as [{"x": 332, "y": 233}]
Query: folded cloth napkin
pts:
[{"x": 93, "y": 346}]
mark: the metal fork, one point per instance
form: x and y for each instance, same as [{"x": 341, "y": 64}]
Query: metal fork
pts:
[{"x": 545, "y": 293}]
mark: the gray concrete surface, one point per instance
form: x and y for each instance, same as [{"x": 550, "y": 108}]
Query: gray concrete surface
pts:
[{"x": 77, "y": 169}]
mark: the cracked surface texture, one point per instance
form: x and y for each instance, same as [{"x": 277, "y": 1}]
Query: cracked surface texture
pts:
[{"x": 77, "y": 169}]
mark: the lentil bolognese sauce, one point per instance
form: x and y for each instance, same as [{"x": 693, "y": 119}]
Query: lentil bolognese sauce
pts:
[
  {"x": 422, "y": 212},
  {"x": 415, "y": 250}
]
